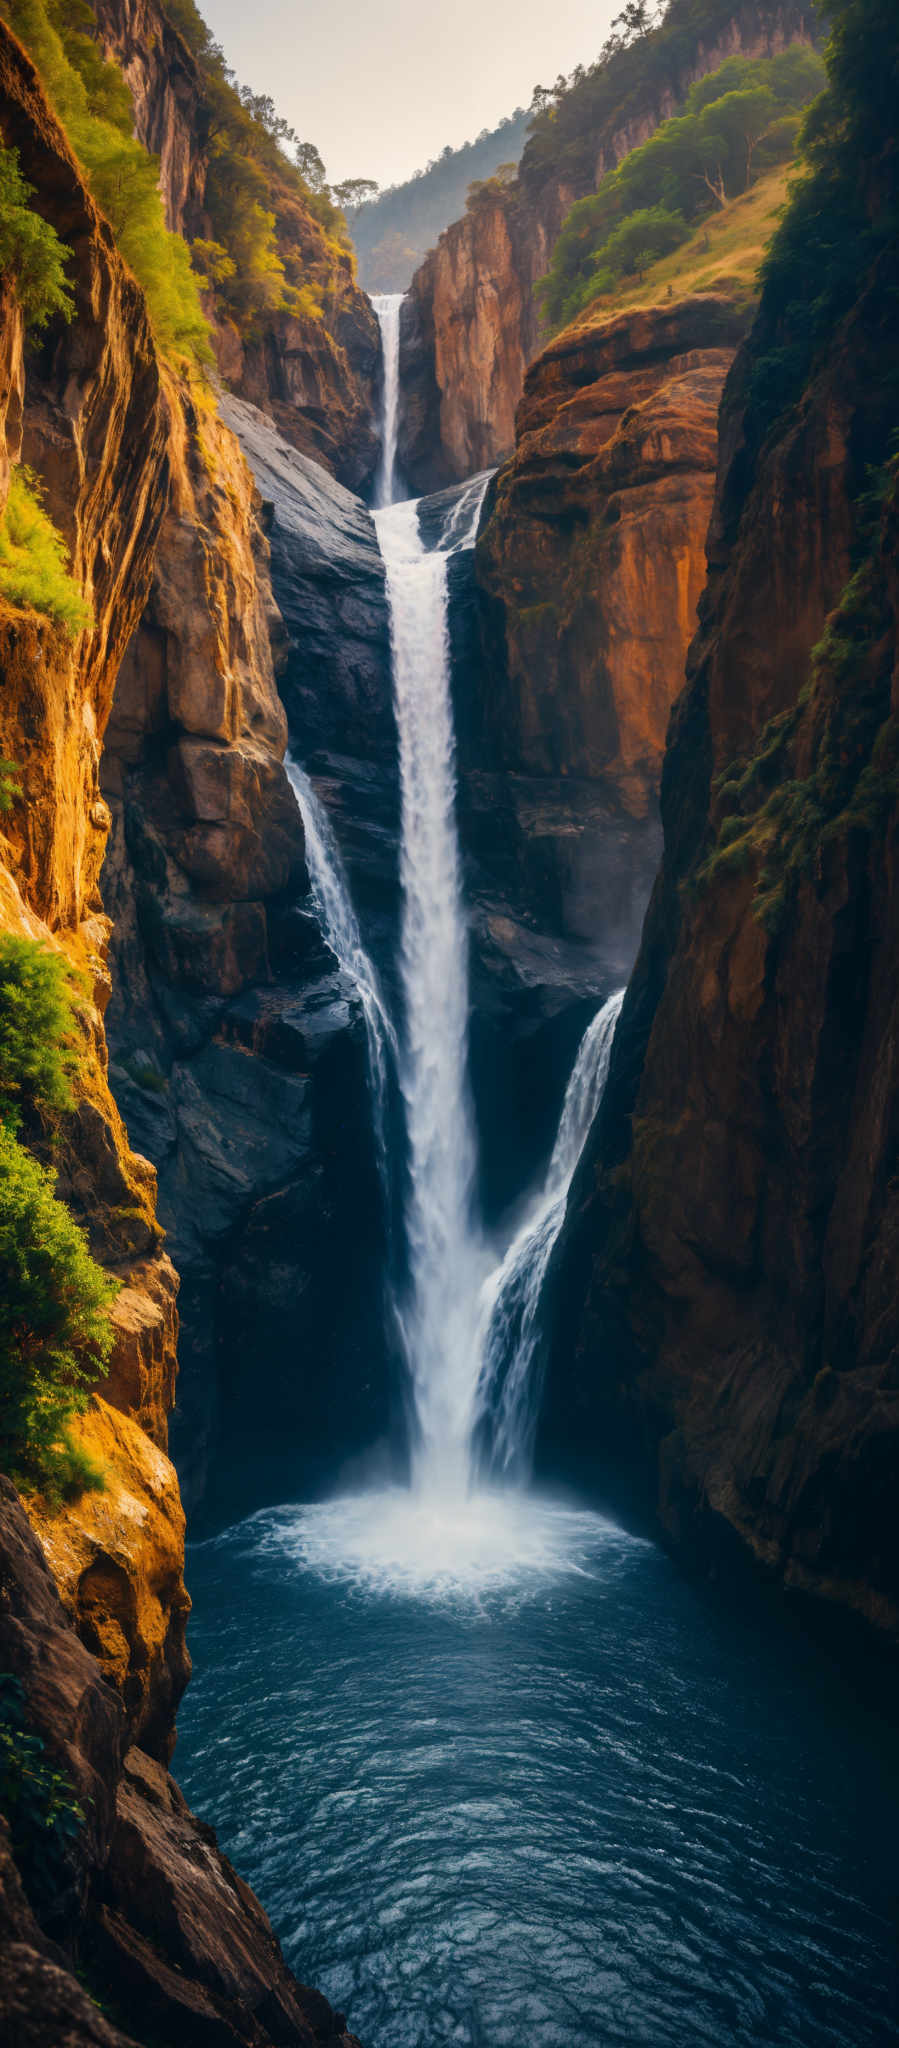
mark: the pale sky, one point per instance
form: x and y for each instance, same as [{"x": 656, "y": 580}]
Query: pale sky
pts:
[{"x": 382, "y": 87}]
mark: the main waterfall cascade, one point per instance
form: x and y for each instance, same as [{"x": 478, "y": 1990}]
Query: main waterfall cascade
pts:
[{"x": 468, "y": 1317}]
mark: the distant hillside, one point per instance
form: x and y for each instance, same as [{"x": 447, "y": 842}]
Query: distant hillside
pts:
[{"x": 395, "y": 231}]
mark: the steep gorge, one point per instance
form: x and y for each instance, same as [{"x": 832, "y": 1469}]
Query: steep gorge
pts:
[{"x": 722, "y": 1317}]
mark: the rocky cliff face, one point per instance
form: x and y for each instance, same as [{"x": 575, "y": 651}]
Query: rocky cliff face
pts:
[
  {"x": 86, "y": 401},
  {"x": 318, "y": 377},
  {"x": 174, "y": 1946},
  {"x": 124, "y": 1884},
  {"x": 471, "y": 324},
  {"x": 734, "y": 1336}
]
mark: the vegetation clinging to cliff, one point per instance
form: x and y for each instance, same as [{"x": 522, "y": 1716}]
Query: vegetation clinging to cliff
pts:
[
  {"x": 55, "y": 1333},
  {"x": 37, "y": 1801},
  {"x": 636, "y": 69},
  {"x": 37, "y": 1028},
  {"x": 780, "y": 832},
  {"x": 251, "y": 193},
  {"x": 93, "y": 103},
  {"x": 31, "y": 253},
  {"x": 34, "y": 563}
]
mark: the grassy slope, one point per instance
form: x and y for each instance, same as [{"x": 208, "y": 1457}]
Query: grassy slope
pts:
[{"x": 722, "y": 256}]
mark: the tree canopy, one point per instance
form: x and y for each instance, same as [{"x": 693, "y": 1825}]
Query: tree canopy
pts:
[{"x": 736, "y": 121}]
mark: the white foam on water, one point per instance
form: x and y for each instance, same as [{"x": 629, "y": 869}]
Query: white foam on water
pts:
[{"x": 401, "y": 1542}]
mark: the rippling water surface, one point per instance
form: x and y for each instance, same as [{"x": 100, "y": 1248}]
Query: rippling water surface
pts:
[{"x": 502, "y": 1777}]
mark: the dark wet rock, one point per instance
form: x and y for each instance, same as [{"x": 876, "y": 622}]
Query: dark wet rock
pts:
[
  {"x": 328, "y": 579},
  {"x": 334, "y": 672}
]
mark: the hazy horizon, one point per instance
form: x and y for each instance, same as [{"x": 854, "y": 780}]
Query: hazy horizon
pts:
[{"x": 381, "y": 93}]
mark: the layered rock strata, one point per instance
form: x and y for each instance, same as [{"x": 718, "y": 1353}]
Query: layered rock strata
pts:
[
  {"x": 171, "y": 1946},
  {"x": 81, "y": 408}
]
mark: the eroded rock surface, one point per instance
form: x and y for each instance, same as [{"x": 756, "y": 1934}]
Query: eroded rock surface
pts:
[{"x": 129, "y": 1888}]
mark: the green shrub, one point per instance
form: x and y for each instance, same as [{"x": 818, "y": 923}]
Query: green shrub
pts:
[
  {"x": 37, "y": 1028},
  {"x": 55, "y": 1333},
  {"x": 33, "y": 559},
  {"x": 30, "y": 249},
  {"x": 10, "y": 786},
  {"x": 37, "y": 1801}
]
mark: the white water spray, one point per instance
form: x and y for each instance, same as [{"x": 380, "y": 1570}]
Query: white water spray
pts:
[
  {"x": 510, "y": 1302},
  {"x": 387, "y": 308}
]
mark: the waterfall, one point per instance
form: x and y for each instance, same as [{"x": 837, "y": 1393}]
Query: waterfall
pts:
[
  {"x": 447, "y": 1258},
  {"x": 337, "y": 921},
  {"x": 387, "y": 309},
  {"x": 510, "y": 1300},
  {"x": 469, "y": 1326}
]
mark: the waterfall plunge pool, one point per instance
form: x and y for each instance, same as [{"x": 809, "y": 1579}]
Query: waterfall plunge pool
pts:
[{"x": 500, "y": 1776}]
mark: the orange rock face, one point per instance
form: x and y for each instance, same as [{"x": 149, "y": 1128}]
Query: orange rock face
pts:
[
  {"x": 475, "y": 329},
  {"x": 593, "y": 557},
  {"x": 117, "y": 1557}
]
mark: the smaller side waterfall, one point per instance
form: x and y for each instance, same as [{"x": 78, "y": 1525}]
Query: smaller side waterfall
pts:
[
  {"x": 510, "y": 1298},
  {"x": 387, "y": 309},
  {"x": 337, "y": 921}
]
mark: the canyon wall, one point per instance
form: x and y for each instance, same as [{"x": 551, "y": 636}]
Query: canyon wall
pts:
[
  {"x": 122, "y": 1891},
  {"x": 471, "y": 322},
  {"x": 726, "y": 1335}
]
